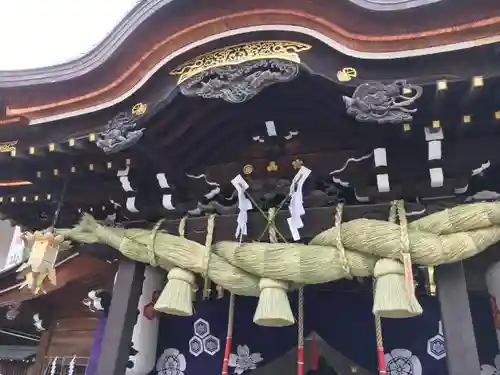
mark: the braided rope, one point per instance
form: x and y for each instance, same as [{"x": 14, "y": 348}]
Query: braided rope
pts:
[
  {"x": 208, "y": 253},
  {"x": 182, "y": 226},
  {"x": 151, "y": 246},
  {"x": 338, "y": 222},
  {"x": 273, "y": 237},
  {"x": 405, "y": 248}
]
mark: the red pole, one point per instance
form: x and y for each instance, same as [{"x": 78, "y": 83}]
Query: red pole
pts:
[{"x": 229, "y": 337}]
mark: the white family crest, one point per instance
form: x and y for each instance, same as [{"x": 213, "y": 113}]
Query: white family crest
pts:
[
  {"x": 243, "y": 360},
  {"x": 489, "y": 369},
  {"x": 435, "y": 345},
  {"x": 402, "y": 362},
  {"x": 202, "y": 341},
  {"x": 171, "y": 362}
]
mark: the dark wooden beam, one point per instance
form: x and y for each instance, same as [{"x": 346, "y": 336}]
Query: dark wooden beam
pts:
[
  {"x": 316, "y": 220},
  {"x": 461, "y": 350},
  {"x": 121, "y": 319}
]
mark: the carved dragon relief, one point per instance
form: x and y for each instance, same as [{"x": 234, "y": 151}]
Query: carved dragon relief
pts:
[
  {"x": 120, "y": 133},
  {"x": 239, "y": 83},
  {"x": 377, "y": 102}
]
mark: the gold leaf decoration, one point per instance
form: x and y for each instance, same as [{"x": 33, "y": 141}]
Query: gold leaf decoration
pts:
[
  {"x": 272, "y": 166},
  {"x": 237, "y": 54},
  {"x": 346, "y": 74},
  {"x": 8, "y": 146},
  {"x": 139, "y": 109}
]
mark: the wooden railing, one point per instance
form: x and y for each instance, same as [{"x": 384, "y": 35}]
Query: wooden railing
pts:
[{"x": 61, "y": 366}]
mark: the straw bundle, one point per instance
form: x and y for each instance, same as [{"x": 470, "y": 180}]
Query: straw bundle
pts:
[{"x": 444, "y": 237}]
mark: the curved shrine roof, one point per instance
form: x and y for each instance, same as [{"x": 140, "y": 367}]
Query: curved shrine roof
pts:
[{"x": 143, "y": 42}]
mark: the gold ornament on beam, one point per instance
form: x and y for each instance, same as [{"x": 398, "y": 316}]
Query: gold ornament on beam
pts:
[
  {"x": 272, "y": 166},
  {"x": 8, "y": 146},
  {"x": 139, "y": 109},
  {"x": 248, "y": 169},
  {"x": 240, "y": 53},
  {"x": 43, "y": 249},
  {"x": 431, "y": 284},
  {"x": 346, "y": 74}
]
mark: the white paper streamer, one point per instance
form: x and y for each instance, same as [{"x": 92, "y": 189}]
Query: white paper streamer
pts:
[
  {"x": 296, "y": 206},
  {"x": 71, "y": 367},
  {"x": 244, "y": 205}
]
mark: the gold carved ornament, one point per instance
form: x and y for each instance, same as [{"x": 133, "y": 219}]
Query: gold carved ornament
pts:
[
  {"x": 272, "y": 167},
  {"x": 139, "y": 109},
  {"x": 346, "y": 74},
  {"x": 240, "y": 53},
  {"x": 8, "y": 146}
]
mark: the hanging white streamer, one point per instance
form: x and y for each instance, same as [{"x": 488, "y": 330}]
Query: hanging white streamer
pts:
[
  {"x": 296, "y": 206},
  {"x": 244, "y": 205},
  {"x": 71, "y": 367},
  {"x": 348, "y": 161},
  {"x": 53, "y": 367}
]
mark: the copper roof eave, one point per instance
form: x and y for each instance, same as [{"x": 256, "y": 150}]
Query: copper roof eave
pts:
[
  {"x": 142, "y": 12},
  {"x": 391, "y": 5},
  {"x": 91, "y": 60},
  {"x": 144, "y": 60}
]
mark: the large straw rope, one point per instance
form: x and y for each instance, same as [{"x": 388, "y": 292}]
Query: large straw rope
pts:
[{"x": 447, "y": 236}]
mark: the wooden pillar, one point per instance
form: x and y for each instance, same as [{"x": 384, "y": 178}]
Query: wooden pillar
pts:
[
  {"x": 460, "y": 341},
  {"x": 121, "y": 319},
  {"x": 42, "y": 350}
]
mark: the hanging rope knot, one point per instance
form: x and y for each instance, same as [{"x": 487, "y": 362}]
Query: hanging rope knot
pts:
[
  {"x": 273, "y": 308},
  {"x": 151, "y": 246},
  {"x": 443, "y": 237},
  {"x": 394, "y": 292},
  {"x": 405, "y": 248},
  {"x": 208, "y": 253},
  {"x": 340, "y": 246}
]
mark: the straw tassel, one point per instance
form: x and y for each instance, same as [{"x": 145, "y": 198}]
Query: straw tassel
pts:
[
  {"x": 394, "y": 295},
  {"x": 273, "y": 308},
  {"x": 177, "y": 297},
  {"x": 229, "y": 338}
]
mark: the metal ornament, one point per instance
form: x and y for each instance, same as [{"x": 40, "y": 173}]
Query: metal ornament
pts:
[
  {"x": 44, "y": 248},
  {"x": 380, "y": 103},
  {"x": 239, "y": 83}
]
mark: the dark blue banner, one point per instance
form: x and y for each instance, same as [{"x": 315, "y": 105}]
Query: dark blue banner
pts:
[{"x": 343, "y": 326}]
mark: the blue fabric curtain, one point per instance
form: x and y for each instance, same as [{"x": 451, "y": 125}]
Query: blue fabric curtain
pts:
[{"x": 195, "y": 345}]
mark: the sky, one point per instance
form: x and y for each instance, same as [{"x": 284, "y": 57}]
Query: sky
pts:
[{"x": 40, "y": 33}]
